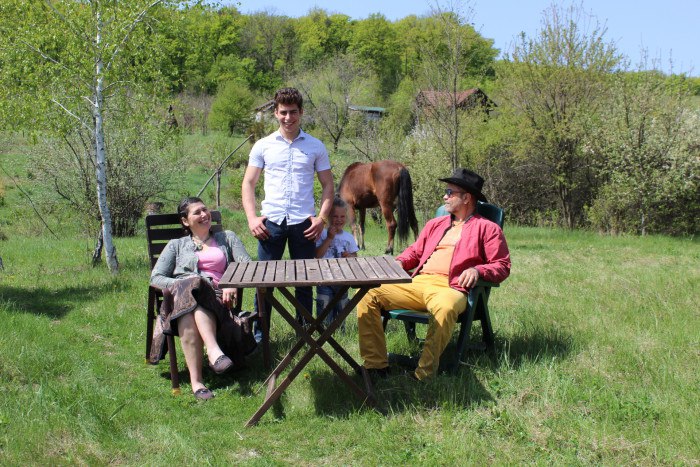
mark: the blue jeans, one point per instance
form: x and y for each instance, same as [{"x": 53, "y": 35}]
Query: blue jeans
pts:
[
  {"x": 324, "y": 295},
  {"x": 272, "y": 249}
]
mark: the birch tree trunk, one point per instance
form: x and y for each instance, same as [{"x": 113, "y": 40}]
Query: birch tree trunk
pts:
[{"x": 100, "y": 158}]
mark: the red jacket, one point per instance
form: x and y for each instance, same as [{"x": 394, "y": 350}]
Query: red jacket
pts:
[{"x": 481, "y": 245}]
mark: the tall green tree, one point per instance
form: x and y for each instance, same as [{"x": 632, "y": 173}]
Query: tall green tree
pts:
[
  {"x": 270, "y": 40},
  {"x": 197, "y": 37},
  {"x": 321, "y": 36},
  {"x": 64, "y": 62},
  {"x": 375, "y": 44},
  {"x": 556, "y": 83}
]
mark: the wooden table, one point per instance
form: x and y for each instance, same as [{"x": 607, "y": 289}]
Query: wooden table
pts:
[{"x": 363, "y": 273}]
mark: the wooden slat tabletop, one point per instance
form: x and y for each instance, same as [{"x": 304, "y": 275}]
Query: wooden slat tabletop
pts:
[{"x": 312, "y": 272}]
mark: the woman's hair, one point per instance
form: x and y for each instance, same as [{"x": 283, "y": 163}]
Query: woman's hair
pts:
[
  {"x": 183, "y": 209},
  {"x": 289, "y": 96}
]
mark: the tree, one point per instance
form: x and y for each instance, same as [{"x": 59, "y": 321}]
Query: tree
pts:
[
  {"x": 556, "y": 83},
  {"x": 193, "y": 38},
  {"x": 271, "y": 41},
  {"x": 321, "y": 36},
  {"x": 64, "y": 62},
  {"x": 451, "y": 52},
  {"x": 232, "y": 109},
  {"x": 332, "y": 89},
  {"x": 375, "y": 45}
]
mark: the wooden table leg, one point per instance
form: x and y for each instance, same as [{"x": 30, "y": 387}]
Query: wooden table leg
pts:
[
  {"x": 327, "y": 336},
  {"x": 277, "y": 392},
  {"x": 315, "y": 347}
]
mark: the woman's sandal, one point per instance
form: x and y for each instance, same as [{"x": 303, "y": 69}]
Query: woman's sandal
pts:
[
  {"x": 203, "y": 394},
  {"x": 221, "y": 365}
]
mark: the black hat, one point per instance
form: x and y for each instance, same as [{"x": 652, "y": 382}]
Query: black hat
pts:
[{"x": 468, "y": 180}]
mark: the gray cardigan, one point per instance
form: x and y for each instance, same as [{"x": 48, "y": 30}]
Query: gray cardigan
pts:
[{"x": 179, "y": 258}]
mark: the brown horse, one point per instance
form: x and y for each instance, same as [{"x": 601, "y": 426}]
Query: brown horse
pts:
[{"x": 381, "y": 184}]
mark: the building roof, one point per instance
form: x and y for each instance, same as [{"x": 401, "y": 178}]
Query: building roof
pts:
[
  {"x": 362, "y": 108},
  {"x": 266, "y": 106}
]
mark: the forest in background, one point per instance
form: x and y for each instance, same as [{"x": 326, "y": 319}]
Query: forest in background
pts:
[{"x": 570, "y": 132}]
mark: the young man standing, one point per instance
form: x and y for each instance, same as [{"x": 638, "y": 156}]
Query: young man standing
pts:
[{"x": 290, "y": 158}]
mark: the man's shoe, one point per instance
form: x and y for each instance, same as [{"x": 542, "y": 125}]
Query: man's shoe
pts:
[
  {"x": 378, "y": 373},
  {"x": 413, "y": 377},
  {"x": 221, "y": 365}
]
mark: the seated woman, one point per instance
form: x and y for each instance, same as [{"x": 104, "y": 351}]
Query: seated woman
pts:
[{"x": 206, "y": 255}]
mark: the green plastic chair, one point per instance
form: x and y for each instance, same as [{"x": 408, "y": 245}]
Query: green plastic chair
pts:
[{"x": 477, "y": 306}]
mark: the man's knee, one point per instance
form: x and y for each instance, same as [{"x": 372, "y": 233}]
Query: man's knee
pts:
[
  {"x": 448, "y": 311},
  {"x": 370, "y": 302}
]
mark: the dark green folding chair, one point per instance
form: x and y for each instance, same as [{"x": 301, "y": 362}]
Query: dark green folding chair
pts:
[{"x": 477, "y": 306}]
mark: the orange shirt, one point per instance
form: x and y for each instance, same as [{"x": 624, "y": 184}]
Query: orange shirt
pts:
[{"x": 439, "y": 261}]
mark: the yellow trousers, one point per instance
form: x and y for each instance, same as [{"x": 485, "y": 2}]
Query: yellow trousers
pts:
[{"x": 427, "y": 292}]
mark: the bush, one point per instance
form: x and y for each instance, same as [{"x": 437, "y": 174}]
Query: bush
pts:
[
  {"x": 192, "y": 111},
  {"x": 232, "y": 109},
  {"x": 426, "y": 165},
  {"x": 142, "y": 163},
  {"x": 649, "y": 158}
]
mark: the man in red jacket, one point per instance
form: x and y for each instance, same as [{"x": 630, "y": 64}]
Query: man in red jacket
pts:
[{"x": 451, "y": 253}]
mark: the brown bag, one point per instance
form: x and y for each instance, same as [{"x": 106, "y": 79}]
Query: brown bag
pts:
[{"x": 235, "y": 336}]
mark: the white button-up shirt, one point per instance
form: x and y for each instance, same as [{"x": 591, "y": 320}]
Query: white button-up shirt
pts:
[{"x": 289, "y": 170}]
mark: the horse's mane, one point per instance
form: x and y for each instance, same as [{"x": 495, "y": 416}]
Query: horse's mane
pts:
[{"x": 346, "y": 173}]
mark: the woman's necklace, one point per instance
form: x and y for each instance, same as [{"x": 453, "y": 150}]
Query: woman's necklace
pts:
[{"x": 199, "y": 244}]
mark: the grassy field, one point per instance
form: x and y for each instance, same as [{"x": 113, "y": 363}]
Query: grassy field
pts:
[{"x": 596, "y": 362}]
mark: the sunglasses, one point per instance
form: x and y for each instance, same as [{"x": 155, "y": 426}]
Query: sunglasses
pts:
[{"x": 449, "y": 192}]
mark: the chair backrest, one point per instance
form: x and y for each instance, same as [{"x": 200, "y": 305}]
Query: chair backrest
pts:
[
  {"x": 487, "y": 210},
  {"x": 161, "y": 228}
]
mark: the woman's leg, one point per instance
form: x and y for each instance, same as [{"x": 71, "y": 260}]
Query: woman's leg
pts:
[
  {"x": 192, "y": 346},
  {"x": 206, "y": 324}
]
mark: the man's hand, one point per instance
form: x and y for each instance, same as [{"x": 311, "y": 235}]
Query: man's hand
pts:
[
  {"x": 258, "y": 229},
  {"x": 230, "y": 296},
  {"x": 314, "y": 231},
  {"x": 468, "y": 278}
]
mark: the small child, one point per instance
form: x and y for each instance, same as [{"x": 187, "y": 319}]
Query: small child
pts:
[{"x": 334, "y": 243}]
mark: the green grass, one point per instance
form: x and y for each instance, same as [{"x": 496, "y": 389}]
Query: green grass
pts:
[{"x": 596, "y": 362}]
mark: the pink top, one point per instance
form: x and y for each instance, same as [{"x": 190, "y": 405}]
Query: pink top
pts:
[{"x": 212, "y": 262}]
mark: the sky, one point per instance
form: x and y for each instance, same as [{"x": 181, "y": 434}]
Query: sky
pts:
[{"x": 668, "y": 30}]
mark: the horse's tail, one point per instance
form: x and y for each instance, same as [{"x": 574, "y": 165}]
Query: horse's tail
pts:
[{"x": 407, "y": 215}]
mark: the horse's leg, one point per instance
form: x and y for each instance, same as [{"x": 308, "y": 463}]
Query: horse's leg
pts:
[
  {"x": 352, "y": 220},
  {"x": 363, "y": 213},
  {"x": 388, "y": 213}
]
